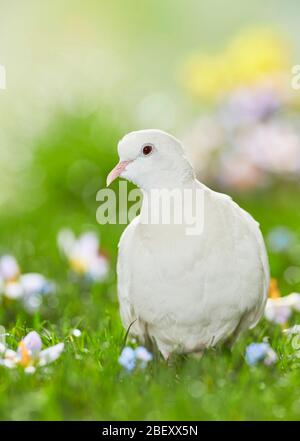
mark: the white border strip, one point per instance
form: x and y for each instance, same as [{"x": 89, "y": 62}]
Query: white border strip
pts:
[{"x": 2, "y": 77}]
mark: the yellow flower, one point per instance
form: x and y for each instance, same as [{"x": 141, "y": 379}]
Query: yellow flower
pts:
[
  {"x": 255, "y": 55},
  {"x": 25, "y": 358},
  {"x": 274, "y": 291},
  {"x": 77, "y": 265}
]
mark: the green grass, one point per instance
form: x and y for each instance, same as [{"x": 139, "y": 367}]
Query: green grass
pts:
[{"x": 87, "y": 382}]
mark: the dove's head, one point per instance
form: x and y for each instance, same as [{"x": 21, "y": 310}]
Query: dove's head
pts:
[{"x": 152, "y": 159}]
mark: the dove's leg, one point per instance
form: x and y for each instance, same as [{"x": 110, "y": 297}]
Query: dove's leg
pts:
[
  {"x": 163, "y": 349},
  {"x": 197, "y": 355},
  {"x": 165, "y": 354}
]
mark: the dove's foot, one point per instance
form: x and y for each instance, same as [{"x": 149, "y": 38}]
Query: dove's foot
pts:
[
  {"x": 197, "y": 355},
  {"x": 165, "y": 354}
]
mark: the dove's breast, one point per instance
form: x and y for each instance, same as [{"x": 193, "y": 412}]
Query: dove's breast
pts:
[{"x": 192, "y": 291}]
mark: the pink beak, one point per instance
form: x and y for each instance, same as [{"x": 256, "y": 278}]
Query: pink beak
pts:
[{"x": 119, "y": 168}]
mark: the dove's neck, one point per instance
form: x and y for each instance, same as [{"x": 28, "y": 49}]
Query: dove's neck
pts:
[
  {"x": 169, "y": 176},
  {"x": 177, "y": 205}
]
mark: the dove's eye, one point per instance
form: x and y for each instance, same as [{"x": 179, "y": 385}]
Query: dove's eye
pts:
[{"x": 147, "y": 149}]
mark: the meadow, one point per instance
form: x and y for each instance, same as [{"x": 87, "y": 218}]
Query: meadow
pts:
[{"x": 87, "y": 382}]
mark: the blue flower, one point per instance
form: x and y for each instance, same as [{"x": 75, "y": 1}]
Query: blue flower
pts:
[
  {"x": 127, "y": 359},
  {"x": 280, "y": 239},
  {"x": 143, "y": 355},
  {"x": 130, "y": 358},
  {"x": 257, "y": 352}
]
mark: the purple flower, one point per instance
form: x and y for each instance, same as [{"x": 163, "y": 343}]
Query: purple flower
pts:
[{"x": 246, "y": 106}]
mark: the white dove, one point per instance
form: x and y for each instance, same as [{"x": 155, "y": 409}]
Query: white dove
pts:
[{"x": 186, "y": 292}]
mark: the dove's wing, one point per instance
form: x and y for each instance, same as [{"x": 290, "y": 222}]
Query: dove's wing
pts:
[
  {"x": 264, "y": 265},
  {"x": 124, "y": 271},
  {"x": 248, "y": 236}
]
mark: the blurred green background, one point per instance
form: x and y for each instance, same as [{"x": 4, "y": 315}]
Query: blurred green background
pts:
[{"x": 80, "y": 76}]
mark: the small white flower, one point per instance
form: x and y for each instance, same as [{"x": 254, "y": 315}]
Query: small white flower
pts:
[
  {"x": 276, "y": 312},
  {"x": 13, "y": 290},
  {"x": 9, "y": 268},
  {"x": 76, "y": 332},
  {"x": 293, "y": 336},
  {"x": 50, "y": 354},
  {"x": 29, "y": 354},
  {"x": 8, "y": 363},
  {"x": 30, "y": 370},
  {"x": 34, "y": 283},
  {"x": 29, "y": 288},
  {"x": 280, "y": 309},
  {"x": 294, "y": 330},
  {"x": 83, "y": 254},
  {"x": 35, "y": 286},
  {"x": 10, "y": 354},
  {"x": 294, "y": 299}
]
